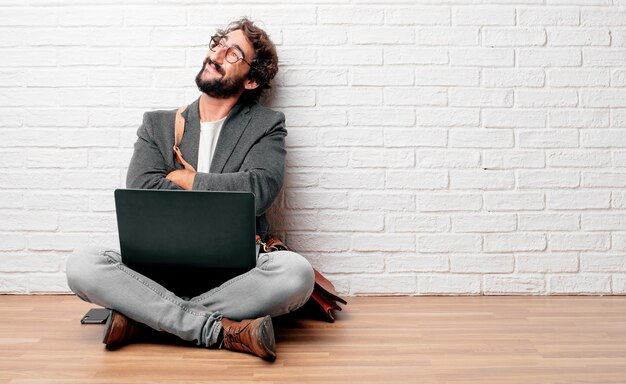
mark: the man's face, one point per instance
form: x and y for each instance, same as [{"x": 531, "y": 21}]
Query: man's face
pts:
[{"x": 221, "y": 79}]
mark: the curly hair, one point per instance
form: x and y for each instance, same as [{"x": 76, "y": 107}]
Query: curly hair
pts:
[{"x": 265, "y": 64}]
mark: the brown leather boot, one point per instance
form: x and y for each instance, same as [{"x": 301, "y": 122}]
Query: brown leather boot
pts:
[
  {"x": 255, "y": 336},
  {"x": 120, "y": 330}
]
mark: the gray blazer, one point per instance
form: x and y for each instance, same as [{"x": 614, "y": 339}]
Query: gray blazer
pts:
[{"x": 249, "y": 155}]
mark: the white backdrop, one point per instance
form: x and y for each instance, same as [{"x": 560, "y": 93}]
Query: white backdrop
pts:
[{"x": 457, "y": 147}]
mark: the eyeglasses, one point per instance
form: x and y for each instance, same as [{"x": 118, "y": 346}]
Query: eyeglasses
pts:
[{"x": 233, "y": 54}]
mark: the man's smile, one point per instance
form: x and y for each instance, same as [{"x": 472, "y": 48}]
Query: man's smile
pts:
[{"x": 213, "y": 67}]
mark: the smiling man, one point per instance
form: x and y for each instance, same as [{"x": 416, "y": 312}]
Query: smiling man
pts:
[{"x": 232, "y": 144}]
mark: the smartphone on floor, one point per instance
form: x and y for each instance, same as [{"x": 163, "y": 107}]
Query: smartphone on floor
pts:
[{"x": 96, "y": 316}]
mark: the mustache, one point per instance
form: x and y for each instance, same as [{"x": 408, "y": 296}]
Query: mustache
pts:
[{"x": 217, "y": 67}]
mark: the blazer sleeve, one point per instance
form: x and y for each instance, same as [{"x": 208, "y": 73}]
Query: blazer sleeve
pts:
[
  {"x": 148, "y": 168},
  {"x": 261, "y": 172}
]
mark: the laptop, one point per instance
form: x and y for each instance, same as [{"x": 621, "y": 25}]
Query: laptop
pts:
[{"x": 177, "y": 237}]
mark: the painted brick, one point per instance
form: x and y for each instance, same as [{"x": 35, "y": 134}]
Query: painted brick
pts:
[
  {"x": 316, "y": 158},
  {"x": 578, "y": 158},
  {"x": 350, "y": 15},
  {"x": 513, "y": 37},
  {"x": 548, "y": 222},
  {"x": 315, "y": 200},
  {"x": 408, "y": 55},
  {"x": 605, "y": 138},
  {"x": 549, "y": 98},
  {"x": 417, "y": 96},
  {"x": 359, "y": 136},
  {"x": 579, "y": 241},
  {"x": 483, "y": 179},
  {"x": 357, "y": 96},
  {"x": 448, "y": 36},
  {"x": 470, "y": 97},
  {"x": 577, "y": 36},
  {"x": 416, "y": 180},
  {"x": 603, "y": 17},
  {"x": 602, "y": 263},
  {"x": 417, "y": 223},
  {"x": 481, "y": 138},
  {"x": 603, "y": 97},
  {"x": 483, "y": 15},
  {"x": 449, "y": 284},
  {"x": 548, "y": 179},
  {"x": 420, "y": 137},
  {"x": 447, "y": 76},
  {"x": 448, "y": 117},
  {"x": 603, "y": 221},
  {"x": 383, "y": 202},
  {"x": 548, "y": 16},
  {"x": 100, "y": 17},
  {"x": 386, "y": 158},
  {"x": 384, "y": 242},
  {"x": 516, "y": 118},
  {"x": 579, "y": 284},
  {"x": 498, "y": 285},
  {"x": 578, "y": 200},
  {"x": 449, "y": 202},
  {"x": 483, "y": 57},
  {"x": 549, "y": 57},
  {"x": 504, "y": 78},
  {"x": 579, "y": 118},
  {"x": 482, "y": 264},
  {"x": 549, "y": 139},
  {"x": 546, "y": 262},
  {"x": 383, "y": 284},
  {"x": 309, "y": 77},
  {"x": 382, "y": 35},
  {"x": 514, "y": 242},
  {"x": 458, "y": 147},
  {"x": 382, "y": 77},
  {"x": 418, "y": 263},
  {"x": 604, "y": 179},
  {"x": 514, "y": 201},
  {"x": 418, "y": 16},
  {"x": 351, "y": 263},
  {"x": 513, "y": 159},
  {"x": 447, "y": 159},
  {"x": 484, "y": 223}
]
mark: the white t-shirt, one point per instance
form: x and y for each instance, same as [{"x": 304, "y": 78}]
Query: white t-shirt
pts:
[{"x": 209, "y": 132}]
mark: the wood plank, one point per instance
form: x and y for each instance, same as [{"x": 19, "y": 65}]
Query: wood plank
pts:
[{"x": 449, "y": 339}]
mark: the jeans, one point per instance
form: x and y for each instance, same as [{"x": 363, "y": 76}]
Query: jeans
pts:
[{"x": 281, "y": 282}]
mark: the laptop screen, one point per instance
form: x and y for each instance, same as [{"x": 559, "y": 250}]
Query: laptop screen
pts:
[{"x": 197, "y": 229}]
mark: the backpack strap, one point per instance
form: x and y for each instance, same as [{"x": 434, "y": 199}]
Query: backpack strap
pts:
[{"x": 179, "y": 130}]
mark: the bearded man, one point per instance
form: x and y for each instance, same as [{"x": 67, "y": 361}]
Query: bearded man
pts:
[{"x": 233, "y": 144}]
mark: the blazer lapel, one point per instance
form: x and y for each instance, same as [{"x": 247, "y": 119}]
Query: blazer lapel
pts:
[
  {"x": 189, "y": 147},
  {"x": 234, "y": 126}
]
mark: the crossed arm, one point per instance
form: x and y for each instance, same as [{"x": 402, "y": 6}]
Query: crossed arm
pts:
[
  {"x": 260, "y": 171},
  {"x": 182, "y": 177}
]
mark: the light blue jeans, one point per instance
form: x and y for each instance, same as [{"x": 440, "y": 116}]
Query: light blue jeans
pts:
[{"x": 281, "y": 282}]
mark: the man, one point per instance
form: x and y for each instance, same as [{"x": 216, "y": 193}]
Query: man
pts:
[{"x": 235, "y": 145}]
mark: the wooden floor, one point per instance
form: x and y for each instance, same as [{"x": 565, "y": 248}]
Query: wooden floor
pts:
[{"x": 376, "y": 339}]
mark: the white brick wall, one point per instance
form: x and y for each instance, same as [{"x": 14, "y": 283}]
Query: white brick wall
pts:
[{"x": 457, "y": 147}]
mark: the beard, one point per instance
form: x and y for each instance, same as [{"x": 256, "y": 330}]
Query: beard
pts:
[{"x": 221, "y": 88}]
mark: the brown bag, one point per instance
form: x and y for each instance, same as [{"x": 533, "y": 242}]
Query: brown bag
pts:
[{"x": 324, "y": 296}]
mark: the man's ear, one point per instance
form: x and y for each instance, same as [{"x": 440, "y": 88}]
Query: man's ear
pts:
[{"x": 250, "y": 84}]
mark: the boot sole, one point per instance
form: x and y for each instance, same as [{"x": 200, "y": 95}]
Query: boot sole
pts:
[{"x": 267, "y": 338}]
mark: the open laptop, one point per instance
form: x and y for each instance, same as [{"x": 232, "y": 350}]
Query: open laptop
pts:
[{"x": 178, "y": 237}]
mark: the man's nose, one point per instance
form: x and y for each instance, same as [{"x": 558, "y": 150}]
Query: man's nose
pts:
[{"x": 217, "y": 56}]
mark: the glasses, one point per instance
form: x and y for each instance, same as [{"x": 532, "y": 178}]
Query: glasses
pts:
[{"x": 233, "y": 54}]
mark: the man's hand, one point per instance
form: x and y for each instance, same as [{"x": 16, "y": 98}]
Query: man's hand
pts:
[{"x": 182, "y": 177}]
